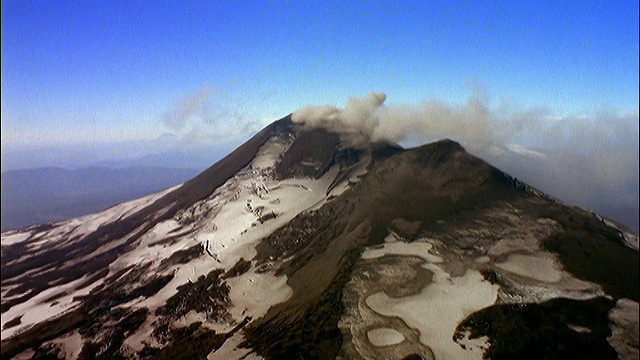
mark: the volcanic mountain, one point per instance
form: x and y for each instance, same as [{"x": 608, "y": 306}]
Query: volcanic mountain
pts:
[{"x": 299, "y": 245}]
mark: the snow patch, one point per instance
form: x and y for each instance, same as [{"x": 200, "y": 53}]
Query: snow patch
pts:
[
  {"x": 252, "y": 294},
  {"x": 440, "y": 306},
  {"x": 11, "y": 237},
  {"x": 438, "y": 309},
  {"x": 36, "y": 310},
  {"x": 231, "y": 350},
  {"x": 541, "y": 268},
  {"x": 384, "y": 337},
  {"x": 392, "y": 246},
  {"x": 625, "y": 329},
  {"x": 70, "y": 345}
]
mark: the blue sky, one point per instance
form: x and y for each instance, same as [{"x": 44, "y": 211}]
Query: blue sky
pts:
[{"x": 89, "y": 72}]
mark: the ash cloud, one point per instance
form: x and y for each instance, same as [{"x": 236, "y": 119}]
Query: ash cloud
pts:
[
  {"x": 355, "y": 124},
  {"x": 366, "y": 120},
  {"x": 591, "y": 161}
]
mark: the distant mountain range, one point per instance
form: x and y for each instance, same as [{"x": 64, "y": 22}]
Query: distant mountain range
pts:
[{"x": 43, "y": 195}]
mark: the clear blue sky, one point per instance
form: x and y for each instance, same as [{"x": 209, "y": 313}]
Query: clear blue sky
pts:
[{"x": 87, "y": 71}]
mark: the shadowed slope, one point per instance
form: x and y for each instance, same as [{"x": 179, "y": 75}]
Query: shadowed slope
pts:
[{"x": 310, "y": 155}]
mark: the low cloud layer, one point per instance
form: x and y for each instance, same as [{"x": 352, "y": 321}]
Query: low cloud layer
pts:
[
  {"x": 206, "y": 105},
  {"x": 591, "y": 161},
  {"x": 204, "y": 116},
  {"x": 191, "y": 106}
]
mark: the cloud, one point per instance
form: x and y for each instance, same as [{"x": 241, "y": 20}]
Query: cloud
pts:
[
  {"x": 191, "y": 105},
  {"x": 210, "y": 115},
  {"x": 588, "y": 160},
  {"x": 206, "y": 105}
]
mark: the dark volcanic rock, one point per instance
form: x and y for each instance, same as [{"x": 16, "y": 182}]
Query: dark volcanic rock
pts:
[{"x": 310, "y": 155}]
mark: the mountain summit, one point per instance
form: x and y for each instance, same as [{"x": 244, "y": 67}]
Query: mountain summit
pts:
[{"x": 306, "y": 242}]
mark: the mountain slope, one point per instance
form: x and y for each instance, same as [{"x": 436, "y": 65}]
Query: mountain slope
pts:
[{"x": 297, "y": 246}]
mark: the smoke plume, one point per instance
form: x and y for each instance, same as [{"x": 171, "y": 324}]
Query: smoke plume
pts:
[
  {"x": 355, "y": 124},
  {"x": 591, "y": 161},
  {"x": 368, "y": 120}
]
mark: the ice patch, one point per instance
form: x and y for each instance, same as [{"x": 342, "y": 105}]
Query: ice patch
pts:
[
  {"x": 384, "y": 337},
  {"x": 439, "y": 308},
  {"x": 534, "y": 267},
  {"x": 36, "y": 310},
  {"x": 394, "y": 247},
  {"x": 624, "y": 328}
]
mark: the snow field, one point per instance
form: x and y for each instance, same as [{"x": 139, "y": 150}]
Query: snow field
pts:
[{"x": 439, "y": 307}]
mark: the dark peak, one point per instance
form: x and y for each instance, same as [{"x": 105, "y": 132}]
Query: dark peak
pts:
[
  {"x": 381, "y": 150},
  {"x": 315, "y": 150},
  {"x": 440, "y": 152},
  {"x": 444, "y": 145},
  {"x": 447, "y": 149},
  {"x": 310, "y": 154},
  {"x": 282, "y": 127},
  {"x": 451, "y": 159}
]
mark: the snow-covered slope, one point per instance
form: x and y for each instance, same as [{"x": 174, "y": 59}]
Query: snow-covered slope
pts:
[{"x": 297, "y": 247}]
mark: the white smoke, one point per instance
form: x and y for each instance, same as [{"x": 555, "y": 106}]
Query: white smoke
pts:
[
  {"x": 355, "y": 123},
  {"x": 591, "y": 161},
  {"x": 367, "y": 120}
]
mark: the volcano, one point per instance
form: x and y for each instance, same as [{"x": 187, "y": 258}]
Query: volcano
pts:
[{"x": 299, "y": 245}]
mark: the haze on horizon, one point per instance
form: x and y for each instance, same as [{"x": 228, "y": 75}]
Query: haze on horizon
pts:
[{"x": 160, "y": 82}]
